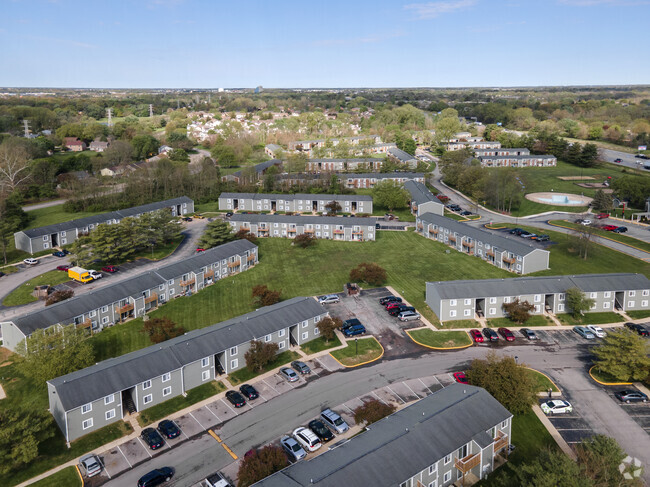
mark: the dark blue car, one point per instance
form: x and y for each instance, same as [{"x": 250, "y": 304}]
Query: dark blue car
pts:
[{"x": 353, "y": 330}]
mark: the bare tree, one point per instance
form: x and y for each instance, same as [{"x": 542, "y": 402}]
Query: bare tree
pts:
[
  {"x": 14, "y": 166},
  {"x": 582, "y": 239}
]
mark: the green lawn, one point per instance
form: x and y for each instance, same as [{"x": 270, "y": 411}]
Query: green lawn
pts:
[
  {"x": 634, "y": 242},
  {"x": 590, "y": 319},
  {"x": 603, "y": 376},
  {"x": 359, "y": 351},
  {"x": 67, "y": 477},
  {"x": 450, "y": 325},
  {"x": 404, "y": 214},
  {"x": 637, "y": 315},
  {"x": 542, "y": 383},
  {"x": 55, "y": 214},
  {"x": 23, "y": 294},
  {"x": 535, "y": 320},
  {"x": 441, "y": 339},
  {"x": 177, "y": 403},
  {"x": 244, "y": 375},
  {"x": 212, "y": 206},
  {"x": 319, "y": 344}
]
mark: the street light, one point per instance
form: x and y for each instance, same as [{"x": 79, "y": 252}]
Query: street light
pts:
[
  {"x": 356, "y": 347},
  {"x": 516, "y": 360}
]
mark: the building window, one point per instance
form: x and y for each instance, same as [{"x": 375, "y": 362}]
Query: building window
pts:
[
  {"x": 452, "y": 313},
  {"x": 166, "y": 377},
  {"x": 606, "y": 305},
  {"x": 46, "y": 245},
  {"x": 205, "y": 362},
  {"x": 46, "y": 238},
  {"x": 281, "y": 333},
  {"x": 110, "y": 414},
  {"x": 467, "y": 312},
  {"x": 147, "y": 399},
  {"x": 233, "y": 351},
  {"x": 504, "y": 424},
  {"x": 632, "y": 294},
  {"x": 88, "y": 423},
  {"x": 593, "y": 295},
  {"x": 433, "y": 468},
  {"x": 205, "y": 375},
  {"x": 493, "y": 311},
  {"x": 468, "y": 302},
  {"x": 267, "y": 338},
  {"x": 447, "y": 477},
  {"x": 560, "y": 307},
  {"x": 109, "y": 399},
  {"x": 506, "y": 299},
  {"x": 304, "y": 324},
  {"x": 171, "y": 282},
  {"x": 434, "y": 483},
  {"x": 452, "y": 302},
  {"x": 280, "y": 345},
  {"x": 92, "y": 314},
  {"x": 608, "y": 294},
  {"x": 493, "y": 300},
  {"x": 172, "y": 291},
  {"x": 644, "y": 304},
  {"x": 305, "y": 335},
  {"x": 86, "y": 408},
  {"x": 408, "y": 483},
  {"x": 646, "y": 292},
  {"x": 447, "y": 459},
  {"x": 593, "y": 306},
  {"x": 167, "y": 391},
  {"x": 104, "y": 309},
  {"x": 234, "y": 363},
  {"x": 562, "y": 297},
  {"x": 105, "y": 320},
  {"x": 630, "y": 304},
  {"x": 146, "y": 385},
  {"x": 316, "y": 331},
  {"x": 538, "y": 298}
]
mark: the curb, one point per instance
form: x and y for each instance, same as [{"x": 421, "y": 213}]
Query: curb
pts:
[
  {"x": 362, "y": 363},
  {"x": 548, "y": 222},
  {"x": 550, "y": 380},
  {"x": 608, "y": 383},
  {"x": 439, "y": 348},
  {"x": 80, "y": 476},
  {"x": 561, "y": 442}
]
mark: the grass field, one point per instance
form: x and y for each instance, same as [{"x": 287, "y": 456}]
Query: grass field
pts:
[
  {"x": 634, "y": 242},
  {"x": 639, "y": 314},
  {"x": 244, "y": 375},
  {"x": 67, "y": 477},
  {"x": 536, "y": 320},
  {"x": 359, "y": 352},
  {"x": 450, "y": 325},
  {"x": 164, "y": 409},
  {"x": 542, "y": 383},
  {"x": 319, "y": 344},
  {"x": 441, "y": 339},
  {"x": 590, "y": 319},
  {"x": 23, "y": 294}
]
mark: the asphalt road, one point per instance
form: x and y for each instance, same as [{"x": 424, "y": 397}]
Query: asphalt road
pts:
[
  {"x": 627, "y": 159},
  {"x": 567, "y": 364}
]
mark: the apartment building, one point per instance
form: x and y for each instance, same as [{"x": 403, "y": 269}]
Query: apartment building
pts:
[
  {"x": 273, "y": 150},
  {"x": 473, "y": 145},
  {"x": 347, "y": 229},
  {"x": 309, "y": 145},
  {"x": 369, "y": 180},
  {"x": 518, "y": 161},
  {"x": 512, "y": 254},
  {"x": 458, "y": 433},
  {"x": 59, "y": 234},
  {"x": 422, "y": 200},
  {"x": 303, "y": 203},
  {"x": 522, "y": 151},
  {"x": 459, "y": 300},
  {"x": 134, "y": 297},
  {"x": 88, "y": 399},
  {"x": 343, "y": 165},
  {"x": 401, "y": 157},
  {"x": 251, "y": 175}
]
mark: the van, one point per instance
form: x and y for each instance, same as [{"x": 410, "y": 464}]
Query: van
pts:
[{"x": 334, "y": 421}]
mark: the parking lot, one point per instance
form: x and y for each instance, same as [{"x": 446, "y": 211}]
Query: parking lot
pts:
[
  {"x": 545, "y": 337},
  {"x": 638, "y": 411}
]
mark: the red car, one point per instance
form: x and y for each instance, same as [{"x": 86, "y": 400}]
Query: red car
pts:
[
  {"x": 476, "y": 335},
  {"x": 507, "y": 334},
  {"x": 392, "y": 305},
  {"x": 200, "y": 250},
  {"x": 63, "y": 268},
  {"x": 461, "y": 377},
  {"x": 109, "y": 268},
  {"x": 600, "y": 216},
  {"x": 609, "y": 228}
]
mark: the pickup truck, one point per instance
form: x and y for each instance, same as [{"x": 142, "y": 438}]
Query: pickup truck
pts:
[{"x": 79, "y": 274}]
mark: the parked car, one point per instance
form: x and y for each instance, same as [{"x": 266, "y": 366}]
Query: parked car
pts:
[
  {"x": 383, "y": 301},
  {"x": 236, "y": 399},
  {"x": 400, "y": 309},
  {"x": 507, "y": 334},
  {"x": 199, "y": 217},
  {"x": 60, "y": 253},
  {"x": 354, "y": 330},
  {"x": 334, "y": 421},
  {"x": 517, "y": 231},
  {"x": 640, "y": 329},
  {"x": 329, "y": 299},
  {"x": 350, "y": 322},
  {"x": 187, "y": 219},
  {"x": 586, "y": 222},
  {"x": 476, "y": 335},
  {"x": 541, "y": 238},
  {"x": 156, "y": 477},
  {"x": 618, "y": 160},
  {"x": 641, "y": 156},
  {"x": 597, "y": 331},
  {"x": 408, "y": 316},
  {"x": 584, "y": 332},
  {"x": 30, "y": 261},
  {"x": 289, "y": 374},
  {"x": 110, "y": 269},
  {"x": 199, "y": 249},
  {"x": 392, "y": 304},
  {"x": 300, "y": 367},
  {"x": 609, "y": 228},
  {"x": 293, "y": 448},
  {"x": 307, "y": 438},
  {"x": 557, "y": 406},
  {"x": 630, "y": 395},
  {"x": 466, "y": 213},
  {"x": 90, "y": 465},
  {"x": 95, "y": 274},
  {"x": 216, "y": 480},
  {"x": 320, "y": 430},
  {"x": 526, "y": 234},
  {"x": 528, "y": 333},
  {"x": 600, "y": 216},
  {"x": 229, "y": 214},
  {"x": 460, "y": 377},
  {"x": 168, "y": 429},
  {"x": 249, "y": 392},
  {"x": 152, "y": 438},
  {"x": 620, "y": 230},
  {"x": 490, "y": 334},
  {"x": 377, "y": 226},
  {"x": 63, "y": 268}
]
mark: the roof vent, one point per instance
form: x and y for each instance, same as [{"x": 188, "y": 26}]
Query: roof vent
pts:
[{"x": 407, "y": 430}]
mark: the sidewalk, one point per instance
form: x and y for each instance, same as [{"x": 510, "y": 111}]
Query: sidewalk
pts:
[
  {"x": 422, "y": 318},
  {"x": 564, "y": 446}
]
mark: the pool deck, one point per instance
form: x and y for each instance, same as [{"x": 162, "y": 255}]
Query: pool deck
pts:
[{"x": 559, "y": 199}]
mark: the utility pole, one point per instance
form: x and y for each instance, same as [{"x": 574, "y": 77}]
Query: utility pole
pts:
[
  {"x": 150, "y": 110},
  {"x": 178, "y": 104},
  {"x": 109, "y": 116},
  {"x": 209, "y": 96},
  {"x": 26, "y": 126}
]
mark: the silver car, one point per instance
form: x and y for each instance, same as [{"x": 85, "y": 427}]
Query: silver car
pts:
[
  {"x": 329, "y": 299},
  {"x": 584, "y": 332},
  {"x": 289, "y": 374},
  {"x": 334, "y": 421},
  {"x": 293, "y": 448},
  {"x": 90, "y": 465},
  {"x": 408, "y": 316}
]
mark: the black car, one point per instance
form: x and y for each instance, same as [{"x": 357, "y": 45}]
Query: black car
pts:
[
  {"x": 152, "y": 438},
  {"x": 630, "y": 395},
  {"x": 490, "y": 334},
  {"x": 156, "y": 477},
  {"x": 320, "y": 430},
  {"x": 187, "y": 219},
  {"x": 641, "y": 156},
  {"x": 542, "y": 238},
  {"x": 620, "y": 230},
  {"x": 517, "y": 231},
  {"x": 60, "y": 253},
  {"x": 300, "y": 367},
  {"x": 228, "y": 214},
  {"x": 640, "y": 329},
  {"x": 168, "y": 429},
  {"x": 397, "y": 310},
  {"x": 377, "y": 226},
  {"x": 249, "y": 392},
  {"x": 236, "y": 399},
  {"x": 350, "y": 322},
  {"x": 466, "y": 213},
  {"x": 390, "y": 299}
]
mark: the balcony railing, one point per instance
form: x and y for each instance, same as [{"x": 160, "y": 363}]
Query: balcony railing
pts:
[
  {"x": 357, "y": 232},
  {"x": 340, "y": 232},
  {"x": 420, "y": 226},
  {"x": 209, "y": 273},
  {"x": 489, "y": 253},
  {"x": 84, "y": 324},
  {"x": 124, "y": 309},
  {"x": 262, "y": 230},
  {"x": 452, "y": 239},
  {"x": 509, "y": 260},
  {"x": 153, "y": 298},
  {"x": 500, "y": 442},
  {"x": 187, "y": 283},
  {"x": 250, "y": 258},
  {"x": 468, "y": 463},
  {"x": 234, "y": 264},
  {"x": 292, "y": 230},
  {"x": 468, "y": 244},
  {"x": 309, "y": 230},
  {"x": 433, "y": 230}
]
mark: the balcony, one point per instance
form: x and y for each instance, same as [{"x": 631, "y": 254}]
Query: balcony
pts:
[
  {"x": 309, "y": 230},
  {"x": 469, "y": 245},
  {"x": 84, "y": 324},
  {"x": 187, "y": 283},
  {"x": 357, "y": 232},
  {"x": 508, "y": 260},
  {"x": 153, "y": 298},
  {"x": 452, "y": 239},
  {"x": 292, "y": 230},
  {"x": 420, "y": 226},
  {"x": 250, "y": 258},
  {"x": 232, "y": 265},
  {"x": 434, "y": 231},
  {"x": 209, "y": 273},
  {"x": 468, "y": 463},
  {"x": 500, "y": 442},
  {"x": 263, "y": 230},
  {"x": 339, "y": 232},
  {"x": 124, "y": 309},
  {"x": 490, "y": 253}
]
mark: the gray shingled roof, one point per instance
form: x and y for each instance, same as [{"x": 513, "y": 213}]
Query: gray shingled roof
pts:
[
  {"x": 298, "y": 196},
  {"x": 65, "y": 311},
  {"x": 381, "y": 175},
  {"x": 302, "y": 219},
  {"x": 420, "y": 193},
  {"x": 538, "y": 285},
  {"x": 114, "y": 375},
  {"x": 261, "y": 167},
  {"x": 402, "y": 444},
  {"x": 518, "y": 149},
  {"x": 530, "y": 156},
  {"x": 103, "y": 217},
  {"x": 401, "y": 155},
  {"x": 499, "y": 241},
  {"x": 358, "y": 159}
]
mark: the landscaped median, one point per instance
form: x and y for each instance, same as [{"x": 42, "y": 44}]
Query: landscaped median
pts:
[
  {"x": 244, "y": 375},
  {"x": 534, "y": 320},
  {"x": 440, "y": 340},
  {"x": 605, "y": 378},
  {"x": 23, "y": 293},
  {"x": 359, "y": 352},
  {"x": 590, "y": 319},
  {"x": 542, "y": 382},
  {"x": 319, "y": 344}
]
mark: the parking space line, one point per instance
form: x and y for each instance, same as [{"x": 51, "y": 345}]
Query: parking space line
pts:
[
  {"x": 198, "y": 422},
  {"x": 379, "y": 398},
  {"x": 261, "y": 397},
  {"x": 264, "y": 380},
  {"x": 213, "y": 413},
  {"x": 145, "y": 448},
  {"x": 322, "y": 364},
  {"x": 396, "y": 395},
  {"x": 181, "y": 430},
  {"x": 346, "y": 406},
  {"x": 315, "y": 373},
  {"x": 453, "y": 379},
  {"x": 103, "y": 466},
  {"x": 236, "y": 413},
  {"x": 438, "y": 381},
  {"x": 427, "y": 387},
  {"x": 416, "y": 394},
  {"x": 127, "y": 460}
]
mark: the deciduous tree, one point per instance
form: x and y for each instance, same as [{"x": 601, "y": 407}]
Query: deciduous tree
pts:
[
  {"x": 304, "y": 240},
  {"x": 390, "y": 194},
  {"x": 14, "y": 165},
  {"x": 333, "y": 207},
  {"x": 21, "y": 431},
  {"x": 243, "y": 234},
  {"x": 161, "y": 329},
  {"x": 551, "y": 468},
  {"x": 327, "y": 327},
  {"x": 369, "y": 272},
  {"x": 259, "y": 354},
  {"x": 623, "y": 354},
  {"x": 260, "y": 464},
  {"x": 372, "y": 411},
  {"x": 518, "y": 311},
  {"x": 578, "y": 302},
  {"x": 263, "y": 296},
  {"x": 57, "y": 296}
]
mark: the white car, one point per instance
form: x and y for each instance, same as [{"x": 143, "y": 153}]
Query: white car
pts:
[
  {"x": 307, "y": 438},
  {"x": 30, "y": 261},
  {"x": 90, "y": 465},
  {"x": 328, "y": 299},
  {"x": 408, "y": 316},
  {"x": 597, "y": 330},
  {"x": 95, "y": 274},
  {"x": 557, "y": 406},
  {"x": 585, "y": 222}
]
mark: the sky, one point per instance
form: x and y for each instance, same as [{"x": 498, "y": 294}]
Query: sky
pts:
[{"x": 322, "y": 43}]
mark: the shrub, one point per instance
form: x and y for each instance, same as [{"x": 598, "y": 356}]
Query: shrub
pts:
[
  {"x": 263, "y": 296},
  {"x": 372, "y": 411},
  {"x": 259, "y": 354},
  {"x": 304, "y": 240},
  {"x": 57, "y": 296},
  {"x": 370, "y": 273},
  {"x": 259, "y": 464}
]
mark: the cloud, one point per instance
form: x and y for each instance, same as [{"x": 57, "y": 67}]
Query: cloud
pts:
[
  {"x": 613, "y": 3},
  {"x": 356, "y": 40},
  {"x": 432, "y": 10}
]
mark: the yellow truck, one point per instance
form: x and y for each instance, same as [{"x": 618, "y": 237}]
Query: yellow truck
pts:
[{"x": 79, "y": 274}]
